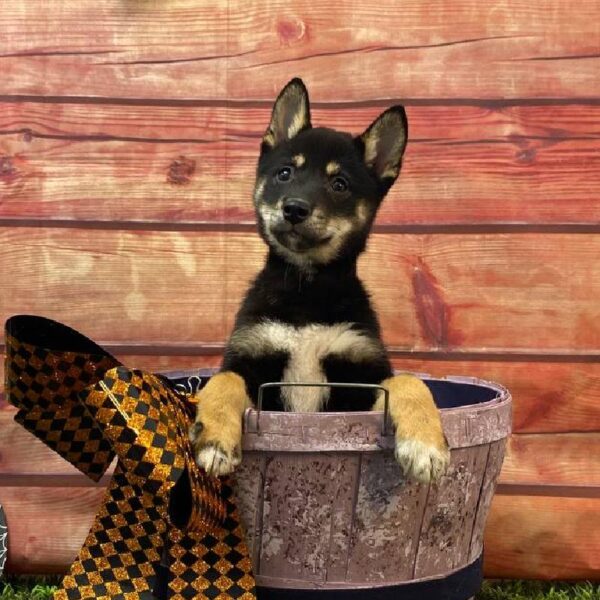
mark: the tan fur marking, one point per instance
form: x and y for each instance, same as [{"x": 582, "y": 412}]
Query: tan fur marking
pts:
[
  {"x": 306, "y": 348},
  {"x": 392, "y": 172},
  {"x": 269, "y": 138},
  {"x": 384, "y": 143},
  {"x": 362, "y": 212},
  {"x": 341, "y": 228},
  {"x": 298, "y": 160},
  {"x": 321, "y": 255},
  {"x": 371, "y": 148},
  {"x": 221, "y": 405},
  {"x": 299, "y": 120},
  {"x": 413, "y": 410},
  {"x": 337, "y": 228},
  {"x": 421, "y": 447},
  {"x": 259, "y": 189},
  {"x": 332, "y": 168}
]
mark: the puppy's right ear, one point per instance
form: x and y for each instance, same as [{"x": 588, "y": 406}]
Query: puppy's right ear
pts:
[{"x": 291, "y": 115}]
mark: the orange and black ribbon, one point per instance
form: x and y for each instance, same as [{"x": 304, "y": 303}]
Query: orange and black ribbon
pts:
[{"x": 165, "y": 529}]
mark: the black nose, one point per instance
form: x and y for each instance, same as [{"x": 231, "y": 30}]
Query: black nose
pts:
[{"x": 296, "y": 210}]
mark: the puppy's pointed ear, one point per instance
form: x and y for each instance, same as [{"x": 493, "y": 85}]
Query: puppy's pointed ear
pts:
[
  {"x": 291, "y": 115},
  {"x": 383, "y": 144}
]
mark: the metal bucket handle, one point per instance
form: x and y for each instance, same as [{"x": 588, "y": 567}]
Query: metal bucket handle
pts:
[{"x": 362, "y": 386}]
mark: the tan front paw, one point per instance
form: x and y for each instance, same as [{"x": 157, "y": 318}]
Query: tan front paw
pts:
[
  {"x": 217, "y": 433},
  {"x": 421, "y": 461},
  {"x": 217, "y": 454}
]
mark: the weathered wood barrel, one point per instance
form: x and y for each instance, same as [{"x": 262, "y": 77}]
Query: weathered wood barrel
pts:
[{"x": 329, "y": 514}]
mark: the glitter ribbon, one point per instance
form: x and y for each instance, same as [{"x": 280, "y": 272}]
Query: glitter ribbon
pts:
[{"x": 165, "y": 529}]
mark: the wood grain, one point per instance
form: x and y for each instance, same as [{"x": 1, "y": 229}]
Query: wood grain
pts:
[
  {"x": 47, "y": 526},
  {"x": 450, "y": 513},
  {"x": 377, "y": 482},
  {"x": 548, "y": 397},
  {"x": 465, "y": 165},
  {"x": 537, "y": 459},
  {"x": 493, "y": 466},
  {"x": 300, "y": 500},
  {"x": 509, "y": 292},
  {"x": 129, "y": 135},
  {"x": 543, "y": 538},
  {"x": 558, "y": 459},
  {"x": 211, "y": 122},
  {"x": 529, "y": 537},
  {"x": 247, "y": 50},
  {"x": 108, "y": 291}
]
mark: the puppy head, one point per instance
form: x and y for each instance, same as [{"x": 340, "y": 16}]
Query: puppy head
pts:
[{"x": 318, "y": 190}]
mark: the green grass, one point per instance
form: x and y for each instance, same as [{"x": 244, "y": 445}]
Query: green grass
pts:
[
  {"x": 37, "y": 588},
  {"x": 28, "y": 588},
  {"x": 538, "y": 590}
]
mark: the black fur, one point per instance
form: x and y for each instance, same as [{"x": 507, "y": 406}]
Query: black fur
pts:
[
  {"x": 334, "y": 294},
  {"x": 299, "y": 291}
]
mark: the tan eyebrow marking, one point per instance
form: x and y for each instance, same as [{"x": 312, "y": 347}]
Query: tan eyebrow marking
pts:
[
  {"x": 298, "y": 160},
  {"x": 332, "y": 168},
  {"x": 362, "y": 211},
  {"x": 259, "y": 189}
]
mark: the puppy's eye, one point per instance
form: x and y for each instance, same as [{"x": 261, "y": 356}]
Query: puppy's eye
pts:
[
  {"x": 339, "y": 185},
  {"x": 285, "y": 174}
]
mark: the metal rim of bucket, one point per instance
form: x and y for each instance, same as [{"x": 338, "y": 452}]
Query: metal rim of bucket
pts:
[
  {"x": 464, "y": 425},
  {"x": 194, "y": 378}
]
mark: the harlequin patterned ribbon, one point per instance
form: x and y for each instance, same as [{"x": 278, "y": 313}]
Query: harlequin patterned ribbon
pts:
[{"x": 165, "y": 529}]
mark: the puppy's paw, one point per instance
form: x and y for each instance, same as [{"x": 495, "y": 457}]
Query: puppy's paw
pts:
[
  {"x": 215, "y": 461},
  {"x": 216, "y": 456},
  {"x": 421, "y": 461}
]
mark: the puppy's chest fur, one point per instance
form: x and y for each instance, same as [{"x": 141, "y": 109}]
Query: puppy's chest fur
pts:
[
  {"x": 315, "y": 330},
  {"x": 306, "y": 353}
]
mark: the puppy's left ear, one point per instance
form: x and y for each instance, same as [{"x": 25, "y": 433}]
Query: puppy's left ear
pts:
[
  {"x": 290, "y": 116},
  {"x": 383, "y": 144}
]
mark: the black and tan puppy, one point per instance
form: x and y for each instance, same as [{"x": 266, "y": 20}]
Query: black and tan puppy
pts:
[{"x": 307, "y": 317}]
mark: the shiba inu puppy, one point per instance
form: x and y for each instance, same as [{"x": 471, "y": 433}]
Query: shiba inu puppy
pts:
[{"x": 307, "y": 316}]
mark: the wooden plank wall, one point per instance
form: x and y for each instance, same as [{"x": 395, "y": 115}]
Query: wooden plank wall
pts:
[{"x": 129, "y": 132}]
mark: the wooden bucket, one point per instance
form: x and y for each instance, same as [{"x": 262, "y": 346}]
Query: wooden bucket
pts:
[{"x": 328, "y": 513}]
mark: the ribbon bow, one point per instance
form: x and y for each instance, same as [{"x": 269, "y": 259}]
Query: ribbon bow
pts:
[{"x": 165, "y": 529}]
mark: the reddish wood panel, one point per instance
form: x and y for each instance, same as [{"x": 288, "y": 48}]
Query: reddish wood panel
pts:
[
  {"x": 247, "y": 50},
  {"x": 184, "y": 165},
  {"x": 548, "y": 397},
  {"x": 515, "y": 292},
  {"x": 165, "y": 364},
  {"x": 211, "y": 122},
  {"x": 47, "y": 525},
  {"x": 152, "y": 113},
  {"x": 109, "y": 284},
  {"x": 543, "y": 538},
  {"x": 560, "y": 459},
  {"x": 530, "y": 537}
]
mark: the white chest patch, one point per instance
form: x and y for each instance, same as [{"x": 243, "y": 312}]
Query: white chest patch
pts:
[{"x": 306, "y": 347}]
